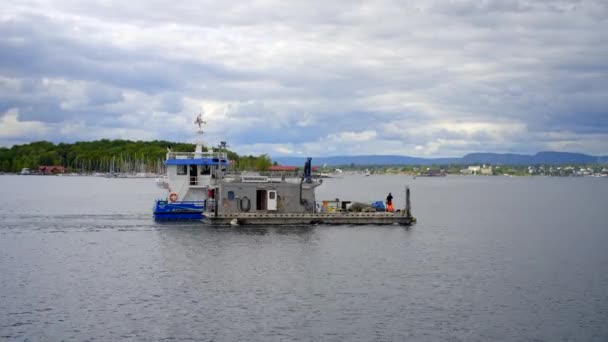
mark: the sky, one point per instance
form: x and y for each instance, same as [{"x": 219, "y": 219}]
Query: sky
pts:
[{"x": 310, "y": 78}]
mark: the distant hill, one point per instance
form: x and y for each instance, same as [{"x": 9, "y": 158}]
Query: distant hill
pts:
[
  {"x": 363, "y": 160},
  {"x": 547, "y": 158},
  {"x": 603, "y": 160}
]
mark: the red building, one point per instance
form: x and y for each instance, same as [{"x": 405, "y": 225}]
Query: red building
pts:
[{"x": 51, "y": 170}]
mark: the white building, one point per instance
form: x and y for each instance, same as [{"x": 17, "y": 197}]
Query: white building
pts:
[{"x": 477, "y": 170}]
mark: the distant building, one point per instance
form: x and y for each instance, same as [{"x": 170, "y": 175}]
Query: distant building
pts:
[
  {"x": 471, "y": 170},
  {"x": 51, "y": 170},
  {"x": 434, "y": 173},
  {"x": 486, "y": 171},
  {"x": 282, "y": 168},
  {"x": 478, "y": 170},
  {"x": 474, "y": 169}
]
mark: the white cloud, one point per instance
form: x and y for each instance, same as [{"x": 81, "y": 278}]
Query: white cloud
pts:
[
  {"x": 12, "y": 128},
  {"x": 349, "y": 137}
]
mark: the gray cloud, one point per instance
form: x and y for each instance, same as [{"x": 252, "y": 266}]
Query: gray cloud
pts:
[{"x": 422, "y": 78}]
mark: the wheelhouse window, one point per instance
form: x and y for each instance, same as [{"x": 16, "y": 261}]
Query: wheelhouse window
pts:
[
  {"x": 205, "y": 170},
  {"x": 182, "y": 170}
]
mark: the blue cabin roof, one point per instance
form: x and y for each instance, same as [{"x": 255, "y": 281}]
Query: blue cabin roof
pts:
[{"x": 197, "y": 161}]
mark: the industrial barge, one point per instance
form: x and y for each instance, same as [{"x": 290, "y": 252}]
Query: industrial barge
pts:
[{"x": 201, "y": 187}]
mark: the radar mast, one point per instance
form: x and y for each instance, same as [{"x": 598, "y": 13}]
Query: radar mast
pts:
[{"x": 198, "y": 152}]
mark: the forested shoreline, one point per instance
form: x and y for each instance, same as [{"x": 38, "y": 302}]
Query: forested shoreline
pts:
[{"x": 108, "y": 156}]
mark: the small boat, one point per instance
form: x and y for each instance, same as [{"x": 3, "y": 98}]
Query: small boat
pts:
[{"x": 162, "y": 183}]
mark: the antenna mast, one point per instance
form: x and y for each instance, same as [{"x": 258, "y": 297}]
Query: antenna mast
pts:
[{"x": 198, "y": 152}]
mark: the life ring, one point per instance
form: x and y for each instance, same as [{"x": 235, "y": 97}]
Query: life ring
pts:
[
  {"x": 173, "y": 197},
  {"x": 244, "y": 200}
]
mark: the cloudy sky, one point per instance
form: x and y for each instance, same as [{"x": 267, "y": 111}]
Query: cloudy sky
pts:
[{"x": 319, "y": 78}]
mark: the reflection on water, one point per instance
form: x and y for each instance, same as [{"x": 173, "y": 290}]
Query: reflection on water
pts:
[{"x": 490, "y": 258}]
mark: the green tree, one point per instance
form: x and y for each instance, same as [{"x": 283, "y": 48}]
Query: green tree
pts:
[
  {"x": 49, "y": 158},
  {"x": 262, "y": 163},
  {"x": 104, "y": 155}
]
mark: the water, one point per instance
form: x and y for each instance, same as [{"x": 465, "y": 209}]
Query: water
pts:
[{"x": 491, "y": 258}]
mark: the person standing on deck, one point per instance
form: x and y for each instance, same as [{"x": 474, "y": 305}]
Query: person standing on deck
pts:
[{"x": 389, "y": 203}]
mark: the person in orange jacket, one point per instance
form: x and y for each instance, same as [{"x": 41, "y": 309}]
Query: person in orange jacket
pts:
[{"x": 389, "y": 203}]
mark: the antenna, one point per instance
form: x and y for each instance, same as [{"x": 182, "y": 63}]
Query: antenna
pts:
[
  {"x": 199, "y": 121},
  {"x": 198, "y": 151},
  {"x": 223, "y": 145}
]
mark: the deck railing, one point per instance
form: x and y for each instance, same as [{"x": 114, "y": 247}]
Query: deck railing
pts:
[{"x": 190, "y": 155}]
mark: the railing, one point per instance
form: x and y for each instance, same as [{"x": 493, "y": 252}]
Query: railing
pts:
[
  {"x": 232, "y": 176},
  {"x": 269, "y": 174},
  {"x": 190, "y": 155}
]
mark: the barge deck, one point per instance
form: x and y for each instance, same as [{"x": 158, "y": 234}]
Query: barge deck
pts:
[{"x": 348, "y": 218}]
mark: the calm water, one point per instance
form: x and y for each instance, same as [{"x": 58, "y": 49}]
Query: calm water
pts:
[{"x": 491, "y": 258}]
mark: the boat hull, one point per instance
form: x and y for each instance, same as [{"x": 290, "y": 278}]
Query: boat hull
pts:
[{"x": 178, "y": 211}]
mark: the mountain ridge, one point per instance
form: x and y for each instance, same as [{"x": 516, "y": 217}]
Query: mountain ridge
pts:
[{"x": 543, "y": 157}]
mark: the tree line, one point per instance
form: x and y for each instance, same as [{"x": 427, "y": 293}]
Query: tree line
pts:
[{"x": 109, "y": 156}]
